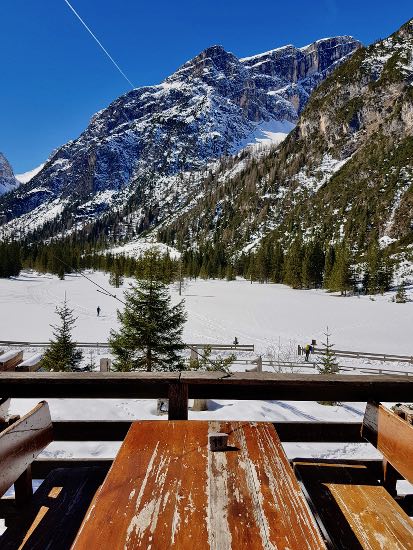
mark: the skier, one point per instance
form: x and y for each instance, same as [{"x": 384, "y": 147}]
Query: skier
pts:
[
  {"x": 307, "y": 351},
  {"x": 235, "y": 341},
  {"x": 98, "y": 310}
]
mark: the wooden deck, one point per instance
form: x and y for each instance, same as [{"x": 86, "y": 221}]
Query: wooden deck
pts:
[{"x": 167, "y": 489}]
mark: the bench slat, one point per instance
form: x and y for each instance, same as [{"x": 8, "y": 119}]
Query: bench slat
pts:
[
  {"x": 22, "y": 442},
  {"x": 10, "y": 359},
  {"x": 392, "y": 436},
  {"x": 354, "y": 509}
]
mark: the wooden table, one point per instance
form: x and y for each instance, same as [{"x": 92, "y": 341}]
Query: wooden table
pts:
[{"x": 166, "y": 489}]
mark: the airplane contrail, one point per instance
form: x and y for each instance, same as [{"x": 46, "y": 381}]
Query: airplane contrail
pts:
[{"x": 99, "y": 43}]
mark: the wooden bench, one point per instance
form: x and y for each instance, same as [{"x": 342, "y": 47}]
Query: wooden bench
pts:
[
  {"x": 10, "y": 359},
  {"x": 32, "y": 364},
  {"x": 354, "y": 509},
  {"x": 51, "y": 517}
]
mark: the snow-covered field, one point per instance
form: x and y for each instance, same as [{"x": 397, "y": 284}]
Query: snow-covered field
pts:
[
  {"x": 264, "y": 315},
  {"x": 217, "y": 312}
]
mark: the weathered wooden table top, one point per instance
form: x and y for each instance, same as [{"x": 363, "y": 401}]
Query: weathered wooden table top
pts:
[{"x": 166, "y": 489}]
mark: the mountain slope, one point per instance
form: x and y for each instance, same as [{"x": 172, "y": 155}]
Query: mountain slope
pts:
[
  {"x": 344, "y": 172},
  {"x": 8, "y": 181},
  {"x": 27, "y": 176},
  {"x": 212, "y": 106}
]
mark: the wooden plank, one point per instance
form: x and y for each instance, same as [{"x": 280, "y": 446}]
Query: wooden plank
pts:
[
  {"x": 87, "y": 384},
  {"x": 295, "y": 431},
  {"x": 178, "y": 402},
  {"x": 355, "y": 511},
  {"x": 41, "y": 467},
  {"x": 167, "y": 489},
  {"x": 10, "y": 359},
  {"x": 257, "y": 386},
  {"x": 32, "y": 364},
  {"x": 392, "y": 436},
  {"x": 302, "y": 387},
  {"x": 21, "y": 442},
  {"x": 56, "y": 512}
]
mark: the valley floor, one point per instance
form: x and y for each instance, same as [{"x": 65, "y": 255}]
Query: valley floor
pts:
[
  {"x": 260, "y": 314},
  {"x": 268, "y": 316}
]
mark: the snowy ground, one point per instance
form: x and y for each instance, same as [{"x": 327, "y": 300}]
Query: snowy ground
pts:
[
  {"x": 264, "y": 315},
  {"x": 218, "y": 311}
]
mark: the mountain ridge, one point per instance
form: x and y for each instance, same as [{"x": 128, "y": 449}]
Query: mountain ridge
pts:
[
  {"x": 209, "y": 108},
  {"x": 344, "y": 173}
]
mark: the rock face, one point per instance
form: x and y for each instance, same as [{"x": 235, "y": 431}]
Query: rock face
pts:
[
  {"x": 213, "y": 106},
  {"x": 344, "y": 172},
  {"x": 7, "y": 179}
]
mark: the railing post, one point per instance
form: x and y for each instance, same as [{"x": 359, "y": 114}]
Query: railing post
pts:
[{"x": 178, "y": 401}]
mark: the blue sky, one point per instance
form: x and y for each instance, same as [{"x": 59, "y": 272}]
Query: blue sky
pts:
[{"x": 54, "y": 77}]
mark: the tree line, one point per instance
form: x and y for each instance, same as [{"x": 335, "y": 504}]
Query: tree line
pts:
[{"x": 303, "y": 265}]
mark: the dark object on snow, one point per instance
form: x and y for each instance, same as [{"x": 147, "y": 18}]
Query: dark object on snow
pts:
[{"x": 98, "y": 310}]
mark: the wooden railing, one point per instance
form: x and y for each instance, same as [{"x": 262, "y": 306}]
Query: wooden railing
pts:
[
  {"x": 179, "y": 386},
  {"x": 391, "y": 357},
  {"x": 285, "y": 366},
  {"x": 105, "y": 345}
]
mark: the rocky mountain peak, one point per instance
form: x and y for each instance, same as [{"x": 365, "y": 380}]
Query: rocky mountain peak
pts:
[
  {"x": 213, "y": 106},
  {"x": 7, "y": 179}
]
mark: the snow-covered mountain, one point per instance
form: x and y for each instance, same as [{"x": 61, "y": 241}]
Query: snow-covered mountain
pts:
[
  {"x": 25, "y": 177},
  {"x": 137, "y": 148},
  {"x": 345, "y": 173},
  {"x": 7, "y": 179}
]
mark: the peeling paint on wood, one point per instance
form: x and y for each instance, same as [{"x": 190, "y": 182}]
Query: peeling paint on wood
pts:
[
  {"x": 356, "y": 511},
  {"x": 166, "y": 489}
]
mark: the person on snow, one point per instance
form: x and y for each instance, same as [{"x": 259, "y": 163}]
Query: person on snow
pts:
[
  {"x": 98, "y": 310},
  {"x": 307, "y": 351}
]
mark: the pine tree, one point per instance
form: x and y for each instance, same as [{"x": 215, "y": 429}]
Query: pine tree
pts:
[
  {"x": 293, "y": 265},
  {"x": 116, "y": 278},
  {"x": 313, "y": 264},
  {"x": 379, "y": 269},
  {"x": 150, "y": 335},
  {"x": 341, "y": 276},
  {"x": 330, "y": 257},
  {"x": 401, "y": 294},
  {"x": 230, "y": 273},
  {"x": 328, "y": 362},
  {"x": 278, "y": 264},
  {"x": 62, "y": 354}
]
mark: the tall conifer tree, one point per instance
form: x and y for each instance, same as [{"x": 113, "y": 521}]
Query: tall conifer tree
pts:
[
  {"x": 62, "y": 354},
  {"x": 150, "y": 335}
]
